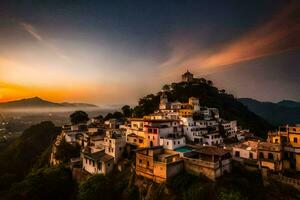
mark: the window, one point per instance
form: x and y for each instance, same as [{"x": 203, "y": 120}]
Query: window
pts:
[
  {"x": 140, "y": 141},
  {"x": 140, "y": 161},
  {"x": 167, "y": 143},
  {"x": 270, "y": 156},
  {"x": 134, "y": 140},
  {"x": 251, "y": 155},
  {"x": 237, "y": 154},
  {"x": 93, "y": 163},
  {"x": 276, "y": 140},
  {"x": 174, "y": 142},
  {"x": 148, "y": 163},
  {"x": 178, "y": 142},
  {"x": 108, "y": 164},
  {"x": 295, "y": 140},
  {"x": 261, "y": 155},
  {"x": 120, "y": 148}
]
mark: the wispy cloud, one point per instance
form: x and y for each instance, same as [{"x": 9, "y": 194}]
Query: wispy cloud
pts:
[
  {"x": 279, "y": 34},
  {"x": 31, "y": 30},
  {"x": 36, "y": 35}
]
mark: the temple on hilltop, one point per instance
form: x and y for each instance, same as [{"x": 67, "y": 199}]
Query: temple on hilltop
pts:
[{"x": 187, "y": 77}]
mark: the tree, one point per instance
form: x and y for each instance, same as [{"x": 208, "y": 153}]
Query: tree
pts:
[
  {"x": 127, "y": 111},
  {"x": 210, "y": 83},
  {"x": 96, "y": 187},
  {"x": 99, "y": 117},
  {"x": 66, "y": 151},
  {"x": 166, "y": 87},
  {"x": 22, "y": 153},
  {"x": 138, "y": 111},
  {"x": 108, "y": 116},
  {"x": 79, "y": 117},
  {"x": 45, "y": 183},
  {"x": 117, "y": 115}
]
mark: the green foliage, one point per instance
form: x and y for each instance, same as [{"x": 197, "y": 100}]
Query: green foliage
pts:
[
  {"x": 23, "y": 152},
  {"x": 66, "y": 151},
  {"x": 99, "y": 117},
  {"x": 115, "y": 115},
  {"x": 96, "y": 187},
  {"x": 166, "y": 87},
  {"x": 43, "y": 159},
  {"x": 230, "y": 108},
  {"x": 230, "y": 195},
  {"x": 147, "y": 105},
  {"x": 79, "y": 117},
  {"x": 46, "y": 183},
  {"x": 127, "y": 111}
]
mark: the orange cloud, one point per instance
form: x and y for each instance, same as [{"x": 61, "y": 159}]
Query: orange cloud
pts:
[{"x": 278, "y": 35}]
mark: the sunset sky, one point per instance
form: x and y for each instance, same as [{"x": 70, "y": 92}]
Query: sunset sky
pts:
[{"x": 114, "y": 52}]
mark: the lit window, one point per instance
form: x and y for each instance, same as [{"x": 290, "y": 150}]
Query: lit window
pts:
[{"x": 295, "y": 140}]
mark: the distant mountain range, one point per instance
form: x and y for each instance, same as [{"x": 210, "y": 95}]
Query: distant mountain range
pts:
[
  {"x": 38, "y": 103},
  {"x": 283, "y": 112}
]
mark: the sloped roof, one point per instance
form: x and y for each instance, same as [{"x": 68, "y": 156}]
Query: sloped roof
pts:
[{"x": 212, "y": 150}]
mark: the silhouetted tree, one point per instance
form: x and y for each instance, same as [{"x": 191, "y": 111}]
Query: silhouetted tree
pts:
[
  {"x": 166, "y": 87},
  {"x": 79, "y": 117},
  {"x": 127, "y": 111}
]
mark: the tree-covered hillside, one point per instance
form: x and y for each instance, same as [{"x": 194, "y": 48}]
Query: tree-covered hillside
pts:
[
  {"x": 230, "y": 108},
  {"x": 283, "y": 112},
  {"x": 25, "y": 152}
]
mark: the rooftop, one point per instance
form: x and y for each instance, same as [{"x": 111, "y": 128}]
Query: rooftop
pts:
[
  {"x": 247, "y": 145},
  {"x": 212, "y": 150},
  {"x": 99, "y": 156}
]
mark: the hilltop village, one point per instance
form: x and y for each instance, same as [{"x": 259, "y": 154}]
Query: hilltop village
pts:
[{"x": 179, "y": 137}]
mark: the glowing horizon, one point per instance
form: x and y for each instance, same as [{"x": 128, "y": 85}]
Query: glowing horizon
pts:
[{"x": 61, "y": 53}]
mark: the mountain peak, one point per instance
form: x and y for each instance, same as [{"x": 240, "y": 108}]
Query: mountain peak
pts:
[{"x": 37, "y": 102}]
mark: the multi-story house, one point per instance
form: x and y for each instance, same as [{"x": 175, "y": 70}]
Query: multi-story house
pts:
[
  {"x": 157, "y": 164},
  {"x": 246, "y": 152},
  {"x": 114, "y": 143},
  {"x": 210, "y": 161}
]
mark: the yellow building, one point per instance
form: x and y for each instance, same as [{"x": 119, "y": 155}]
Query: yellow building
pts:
[
  {"x": 289, "y": 138},
  {"x": 185, "y": 112}
]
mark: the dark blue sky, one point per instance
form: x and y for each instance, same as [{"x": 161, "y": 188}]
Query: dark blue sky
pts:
[{"x": 250, "y": 48}]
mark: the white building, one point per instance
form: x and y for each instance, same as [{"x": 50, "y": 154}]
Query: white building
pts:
[
  {"x": 245, "y": 152},
  {"x": 114, "y": 143},
  {"x": 230, "y": 128},
  {"x": 172, "y": 142},
  {"x": 97, "y": 162},
  {"x": 212, "y": 139}
]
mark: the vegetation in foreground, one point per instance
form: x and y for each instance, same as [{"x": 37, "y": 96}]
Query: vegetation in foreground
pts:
[{"x": 30, "y": 177}]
